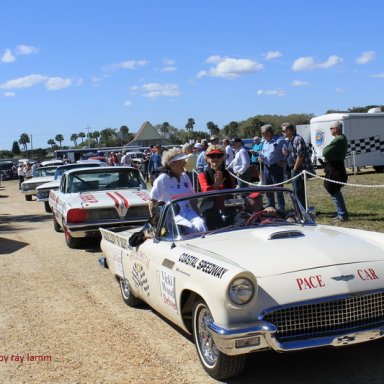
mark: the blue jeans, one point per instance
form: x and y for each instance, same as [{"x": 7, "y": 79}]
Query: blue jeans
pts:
[
  {"x": 274, "y": 174},
  {"x": 298, "y": 187},
  {"x": 338, "y": 200}
]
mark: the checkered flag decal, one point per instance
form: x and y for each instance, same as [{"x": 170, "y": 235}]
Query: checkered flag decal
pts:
[{"x": 367, "y": 144}]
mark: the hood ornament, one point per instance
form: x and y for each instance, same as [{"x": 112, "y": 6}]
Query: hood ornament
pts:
[{"x": 343, "y": 277}]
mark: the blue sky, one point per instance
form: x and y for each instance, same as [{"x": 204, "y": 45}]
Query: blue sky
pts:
[{"x": 69, "y": 65}]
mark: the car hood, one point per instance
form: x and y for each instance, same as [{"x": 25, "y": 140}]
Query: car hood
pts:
[
  {"x": 121, "y": 199},
  {"x": 40, "y": 180},
  {"x": 52, "y": 184},
  {"x": 272, "y": 251}
]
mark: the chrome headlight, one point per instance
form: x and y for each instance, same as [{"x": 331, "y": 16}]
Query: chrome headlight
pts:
[{"x": 241, "y": 291}]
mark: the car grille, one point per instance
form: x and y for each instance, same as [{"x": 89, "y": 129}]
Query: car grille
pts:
[
  {"x": 138, "y": 212},
  {"x": 134, "y": 213},
  {"x": 327, "y": 318},
  {"x": 30, "y": 186}
]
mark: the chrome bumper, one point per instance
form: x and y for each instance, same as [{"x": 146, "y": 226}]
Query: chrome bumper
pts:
[{"x": 261, "y": 336}]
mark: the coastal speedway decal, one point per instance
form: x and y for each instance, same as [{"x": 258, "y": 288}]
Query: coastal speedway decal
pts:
[{"x": 203, "y": 265}]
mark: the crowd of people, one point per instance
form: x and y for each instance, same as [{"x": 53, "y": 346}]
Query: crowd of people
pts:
[{"x": 222, "y": 164}]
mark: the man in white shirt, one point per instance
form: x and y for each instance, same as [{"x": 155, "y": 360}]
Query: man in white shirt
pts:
[
  {"x": 126, "y": 160},
  {"x": 240, "y": 164},
  {"x": 228, "y": 152}
]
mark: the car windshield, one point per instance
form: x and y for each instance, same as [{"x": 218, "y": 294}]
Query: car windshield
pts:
[
  {"x": 104, "y": 179},
  {"x": 209, "y": 213},
  {"x": 44, "y": 171},
  {"x": 65, "y": 168}
]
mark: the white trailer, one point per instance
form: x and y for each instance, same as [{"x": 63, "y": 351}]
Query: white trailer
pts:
[{"x": 364, "y": 132}]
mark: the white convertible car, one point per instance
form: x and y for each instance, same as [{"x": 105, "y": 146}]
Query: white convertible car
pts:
[
  {"x": 256, "y": 279},
  {"x": 89, "y": 198}
]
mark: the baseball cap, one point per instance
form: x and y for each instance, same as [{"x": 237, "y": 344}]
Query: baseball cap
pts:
[
  {"x": 254, "y": 195},
  {"x": 198, "y": 145},
  {"x": 213, "y": 137}
]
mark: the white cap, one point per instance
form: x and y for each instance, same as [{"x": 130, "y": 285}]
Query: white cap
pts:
[
  {"x": 180, "y": 156},
  {"x": 198, "y": 145}
]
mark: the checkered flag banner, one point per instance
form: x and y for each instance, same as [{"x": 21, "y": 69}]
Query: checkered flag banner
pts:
[{"x": 366, "y": 144}]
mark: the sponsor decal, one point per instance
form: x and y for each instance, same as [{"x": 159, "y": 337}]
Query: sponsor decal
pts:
[
  {"x": 143, "y": 195},
  {"x": 168, "y": 289},
  {"x": 367, "y": 274},
  {"x": 140, "y": 279},
  {"x": 319, "y": 138},
  {"x": 310, "y": 282},
  {"x": 203, "y": 265},
  {"x": 117, "y": 262},
  {"x": 88, "y": 198}
]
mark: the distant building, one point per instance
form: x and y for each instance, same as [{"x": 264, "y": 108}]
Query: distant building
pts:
[{"x": 147, "y": 135}]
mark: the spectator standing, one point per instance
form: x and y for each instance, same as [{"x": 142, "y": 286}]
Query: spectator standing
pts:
[
  {"x": 298, "y": 159},
  {"x": 28, "y": 171},
  {"x": 214, "y": 140},
  {"x": 155, "y": 163},
  {"x": 228, "y": 152},
  {"x": 20, "y": 173},
  {"x": 126, "y": 160},
  {"x": 146, "y": 164},
  {"x": 241, "y": 163},
  {"x": 201, "y": 163},
  {"x": 334, "y": 154},
  {"x": 190, "y": 161},
  {"x": 112, "y": 159},
  {"x": 274, "y": 163},
  {"x": 257, "y": 147}
]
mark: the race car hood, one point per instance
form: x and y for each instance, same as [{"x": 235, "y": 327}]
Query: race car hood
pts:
[
  {"x": 38, "y": 180},
  {"x": 51, "y": 185},
  {"x": 120, "y": 199},
  {"x": 272, "y": 251}
]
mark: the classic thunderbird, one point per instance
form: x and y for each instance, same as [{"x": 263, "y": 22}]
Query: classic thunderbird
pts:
[
  {"x": 89, "y": 198},
  {"x": 256, "y": 279}
]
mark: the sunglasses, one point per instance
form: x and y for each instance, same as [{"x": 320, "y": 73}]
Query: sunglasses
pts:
[{"x": 215, "y": 156}]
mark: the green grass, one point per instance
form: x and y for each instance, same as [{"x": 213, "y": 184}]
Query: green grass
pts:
[{"x": 365, "y": 205}]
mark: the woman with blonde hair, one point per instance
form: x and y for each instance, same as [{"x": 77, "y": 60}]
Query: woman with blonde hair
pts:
[{"x": 175, "y": 183}]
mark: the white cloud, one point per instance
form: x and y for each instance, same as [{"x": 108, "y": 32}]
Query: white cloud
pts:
[
  {"x": 128, "y": 103},
  {"x": 168, "y": 69},
  {"x": 379, "y": 75},
  {"x": 155, "y": 90},
  {"x": 51, "y": 83},
  {"x": 299, "y": 83},
  {"x": 25, "y": 50},
  {"x": 230, "y": 68},
  {"x": 128, "y": 64},
  {"x": 169, "y": 62},
  {"x": 341, "y": 90},
  {"x": 55, "y": 83},
  {"x": 9, "y": 94},
  {"x": 8, "y": 57},
  {"x": 271, "y": 92},
  {"x": 308, "y": 63},
  {"x": 366, "y": 57},
  {"x": 24, "y": 82},
  {"x": 272, "y": 55}
]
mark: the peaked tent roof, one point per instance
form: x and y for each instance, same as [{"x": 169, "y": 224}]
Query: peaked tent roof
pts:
[{"x": 147, "y": 135}]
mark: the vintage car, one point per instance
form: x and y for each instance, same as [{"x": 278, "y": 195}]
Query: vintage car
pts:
[
  {"x": 41, "y": 175},
  {"x": 89, "y": 198},
  {"x": 256, "y": 279},
  {"x": 42, "y": 191},
  {"x": 8, "y": 170}
]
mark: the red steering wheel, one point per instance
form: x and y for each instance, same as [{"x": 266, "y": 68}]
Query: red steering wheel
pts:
[{"x": 260, "y": 217}]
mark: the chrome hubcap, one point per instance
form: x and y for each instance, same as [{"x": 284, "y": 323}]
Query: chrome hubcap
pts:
[{"x": 207, "y": 345}]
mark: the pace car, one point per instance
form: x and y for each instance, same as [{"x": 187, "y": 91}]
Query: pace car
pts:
[
  {"x": 260, "y": 275},
  {"x": 89, "y": 198}
]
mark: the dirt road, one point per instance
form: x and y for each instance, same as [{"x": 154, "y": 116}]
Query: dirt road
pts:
[{"x": 62, "y": 320}]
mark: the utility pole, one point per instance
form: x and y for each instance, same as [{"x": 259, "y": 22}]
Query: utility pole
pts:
[{"x": 89, "y": 138}]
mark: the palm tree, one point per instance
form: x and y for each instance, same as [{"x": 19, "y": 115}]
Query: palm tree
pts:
[
  {"x": 108, "y": 135},
  {"x": 164, "y": 128},
  {"x": 189, "y": 125},
  {"x": 124, "y": 130},
  {"x": 24, "y": 140},
  {"x": 51, "y": 142},
  {"x": 213, "y": 128},
  {"x": 59, "y": 138},
  {"x": 82, "y": 135},
  {"x": 74, "y": 138},
  {"x": 96, "y": 135}
]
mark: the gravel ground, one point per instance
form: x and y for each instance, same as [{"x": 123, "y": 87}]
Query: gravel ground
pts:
[{"x": 62, "y": 320}]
